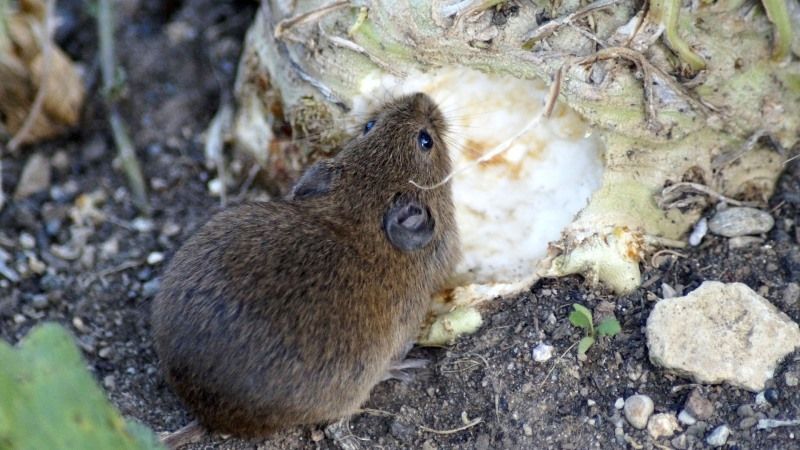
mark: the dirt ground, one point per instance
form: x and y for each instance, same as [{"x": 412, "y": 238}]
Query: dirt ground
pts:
[{"x": 180, "y": 58}]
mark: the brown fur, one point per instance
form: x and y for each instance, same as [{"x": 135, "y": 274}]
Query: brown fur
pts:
[{"x": 288, "y": 312}]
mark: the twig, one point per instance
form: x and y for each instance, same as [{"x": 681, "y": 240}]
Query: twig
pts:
[
  {"x": 663, "y": 252},
  {"x": 314, "y": 15},
  {"x": 468, "y": 425},
  {"x": 701, "y": 188},
  {"x": 649, "y": 70},
  {"x": 555, "y": 363},
  {"x": 127, "y": 153},
  {"x": 214, "y": 144},
  {"x": 38, "y": 100},
  {"x": 553, "y": 25}
]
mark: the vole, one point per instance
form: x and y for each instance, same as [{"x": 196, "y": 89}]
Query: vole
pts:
[{"x": 289, "y": 312}]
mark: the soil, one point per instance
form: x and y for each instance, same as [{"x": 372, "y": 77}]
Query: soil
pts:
[{"x": 179, "y": 58}]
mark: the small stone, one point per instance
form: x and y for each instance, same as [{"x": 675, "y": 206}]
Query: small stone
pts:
[
  {"x": 719, "y": 436},
  {"x": 27, "y": 241},
  {"x": 104, "y": 352},
  {"x": 36, "y": 266},
  {"x": 740, "y": 221},
  {"x": 542, "y": 352},
  {"x": 738, "y": 242},
  {"x": 620, "y": 403},
  {"x": 527, "y": 430},
  {"x": 60, "y": 161},
  {"x": 150, "y": 288},
  {"x": 736, "y": 335},
  {"x": 680, "y": 442},
  {"x": 35, "y": 177},
  {"x": 761, "y": 399},
  {"x": 698, "y": 232},
  {"x": 317, "y": 435},
  {"x": 698, "y": 406},
  {"x": 77, "y": 322},
  {"x": 170, "y": 229},
  {"x": 109, "y": 248},
  {"x": 662, "y": 425},
  {"x": 40, "y": 301},
  {"x": 791, "y": 379},
  {"x": 772, "y": 395},
  {"x": 215, "y": 187},
  {"x": 685, "y": 418},
  {"x": 155, "y": 258},
  {"x": 745, "y": 411},
  {"x": 747, "y": 423},
  {"x": 638, "y": 409},
  {"x": 142, "y": 224},
  {"x": 109, "y": 382},
  {"x": 791, "y": 294}
]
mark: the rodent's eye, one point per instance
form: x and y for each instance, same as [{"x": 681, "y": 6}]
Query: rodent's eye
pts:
[
  {"x": 425, "y": 141},
  {"x": 368, "y": 126}
]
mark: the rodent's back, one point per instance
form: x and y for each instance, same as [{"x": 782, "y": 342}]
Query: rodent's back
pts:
[
  {"x": 289, "y": 312},
  {"x": 268, "y": 316}
]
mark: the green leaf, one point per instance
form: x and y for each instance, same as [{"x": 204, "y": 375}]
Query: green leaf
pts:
[
  {"x": 49, "y": 400},
  {"x": 609, "y": 327},
  {"x": 584, "y": 344},
  {"x": 581, "y": 317}
]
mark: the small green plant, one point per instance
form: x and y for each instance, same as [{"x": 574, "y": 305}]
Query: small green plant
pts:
[{"x": 581, "y": 317}]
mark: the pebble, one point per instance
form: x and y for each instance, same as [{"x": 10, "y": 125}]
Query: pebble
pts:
[
  {"x": 698, "y": 232},
  {"x": 27, "y": 241},
  {"x": 35, "y": 177},
  {"x": 40, "y": 301},
  {"x": 317, "y": 435},
  {"x": 662, "y": 425},
  {"x": 150, "y": 288},
  {"x": 740, "y": 221},
  {"x": 745, "y": 411},
  {"x": 527, "y": 430},
  {"x": 170, "y": 229},
  {"x": 142, "y": 224},
  {"x": 791, "y": 294},
  {"x": 104, "y": 352},
  {"x": 109, "y": 382},
  {"x": 638, "y": 409},
  {"x": 680, "y": 442},
  {"x": 719, "y": 436},
  {"x": 685, "y": 418},
  {"x": 761, "y": 399},
  {"x": 772, "y": 395},
  {"x": 620, "y": 403},
  {"x": 698, "y": 406},
  {"x": 542, "y": 352},
  {"x": 791, "y": 379},
  {"x": 155, "y": 258},
  {"x": 747, "y": 423}
]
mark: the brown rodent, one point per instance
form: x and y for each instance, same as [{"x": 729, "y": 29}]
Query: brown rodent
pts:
[{"x": 288, "y": 312}]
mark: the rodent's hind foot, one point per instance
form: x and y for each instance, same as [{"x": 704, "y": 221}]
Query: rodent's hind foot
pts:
[
  {"x": 397, "y": 370},
  {"x": 189, "y": 434}
]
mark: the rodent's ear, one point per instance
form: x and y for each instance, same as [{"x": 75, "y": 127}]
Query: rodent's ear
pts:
[
  {"x": 316, "y": 180},
  {"x": 408, "y": 224}
]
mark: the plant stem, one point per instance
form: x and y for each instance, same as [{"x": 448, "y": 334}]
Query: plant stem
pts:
[
  {"x": 127, "y": 153},
  {"x": 778, "y": 14},
  {"x": 666, "y": 12}
]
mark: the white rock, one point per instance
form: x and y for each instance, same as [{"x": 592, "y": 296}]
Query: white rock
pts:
[
  {"x": 638, "y": 409},
  {"x": 740, "y": 221},
  {"x": 620, "y": 403},
  {"x": 721, "y": 333},
  {"x": 662, "y": 425},
  {"x": 542, "y": 352},
  {"x": 698, "y": 232},
  {"x": 155, "y": 258},
  {"x": 685, "y": 418},
  {"x": 35, "y": 176},
  {"x": 719, "y": 436}
]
